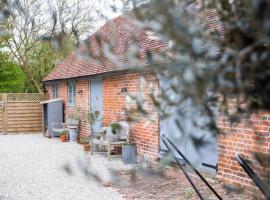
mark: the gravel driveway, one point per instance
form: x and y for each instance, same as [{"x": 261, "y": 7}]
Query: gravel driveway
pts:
[{"x": 35, "y": 167}]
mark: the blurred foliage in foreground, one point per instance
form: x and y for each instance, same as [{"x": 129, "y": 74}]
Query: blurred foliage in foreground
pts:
[{"x": 218, "y": 53}]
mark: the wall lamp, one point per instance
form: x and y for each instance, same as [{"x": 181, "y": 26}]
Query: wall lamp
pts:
[
  {"x": 79, "y": 91},
  {"x": 124, "y": 90}
]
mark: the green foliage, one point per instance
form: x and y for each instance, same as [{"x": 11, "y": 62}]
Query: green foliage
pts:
[
  {"x": 75, "y": 115},
  {"x": 41, "y": 62},
  {"x": 84, "y": 141},
  {"x": 12, "y": 78},
  {"x": 64, "y": 133},
  {"x": 115, "y": 128},
  {"x": 92, "y": 116}
]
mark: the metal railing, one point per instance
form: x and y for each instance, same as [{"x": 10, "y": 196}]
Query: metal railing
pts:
[
  {"x": 171, "y": 146},
  {"x": 243, "y": 163},
  {"x": 259, "y": 183}
]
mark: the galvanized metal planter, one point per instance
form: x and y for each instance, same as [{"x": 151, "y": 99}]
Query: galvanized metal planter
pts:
[
  {"x": 72, "y": 133},
  {"x": 129, "y": 154}
]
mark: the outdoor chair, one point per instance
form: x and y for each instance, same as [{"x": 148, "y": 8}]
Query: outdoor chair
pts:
[
  {"x": 110, "y": 137},
  {"x": 58, "y": 128}
]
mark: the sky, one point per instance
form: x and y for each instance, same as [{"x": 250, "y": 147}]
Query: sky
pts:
[{"x": 109, "y": 10}]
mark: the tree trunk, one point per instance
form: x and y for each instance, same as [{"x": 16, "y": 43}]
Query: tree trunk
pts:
[
  {"x": 36, "y": 85},
  {"x": 29, "y": 76}
]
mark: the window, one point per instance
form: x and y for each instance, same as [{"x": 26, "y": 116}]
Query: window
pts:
[
  {"x": 71, "y": 93},
  {"x": 54, "y": 90}
]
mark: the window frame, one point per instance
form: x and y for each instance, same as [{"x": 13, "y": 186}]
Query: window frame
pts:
[
  {"x": 71, "y": 93},
  {"x": 55, "y": 90}
]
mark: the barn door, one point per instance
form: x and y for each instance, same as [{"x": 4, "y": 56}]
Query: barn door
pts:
[
  {"x": 96, "y": 101},
  {"x": 204, "y": 157}
]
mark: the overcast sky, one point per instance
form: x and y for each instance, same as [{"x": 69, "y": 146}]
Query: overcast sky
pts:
[{"x": 109, "y": 9}]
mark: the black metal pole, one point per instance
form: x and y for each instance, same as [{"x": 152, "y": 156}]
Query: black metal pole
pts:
[
  {"x": 186, "y": 174},
  {"x": 196, "y": 171},
  {"x": 253, "y": 176}
]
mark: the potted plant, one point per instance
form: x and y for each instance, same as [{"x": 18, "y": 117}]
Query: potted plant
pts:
[
  {"x": 92, "y": 117},
  {"x": 85, "y": 143},
  {"x": 129, "y": 153},
  {"x": 113, "y": 131},
  {"x": 73, "y": 120},
  {"x": 63, "y": 136}
]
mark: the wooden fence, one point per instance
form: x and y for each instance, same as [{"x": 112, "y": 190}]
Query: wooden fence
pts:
[{"x": 21, "y": 112}]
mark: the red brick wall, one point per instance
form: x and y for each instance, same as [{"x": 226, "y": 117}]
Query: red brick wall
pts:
[
  {"x": 249, "y": 136},
  {"x": 145, "y": 130},
  {"x": 82, "y": 93}
]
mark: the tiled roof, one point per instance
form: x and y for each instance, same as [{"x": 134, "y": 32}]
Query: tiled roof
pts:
[
  {"x": 109, "y": 49},
  {"x": 94, "y": 57}
]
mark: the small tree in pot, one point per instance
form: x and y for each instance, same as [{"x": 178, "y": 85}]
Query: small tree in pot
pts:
[
  {"x": 73, "y": 121},
  {"x": 91, "y": 117}
]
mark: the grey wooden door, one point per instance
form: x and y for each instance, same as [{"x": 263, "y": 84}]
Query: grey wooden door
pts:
[
  {"x": 204, "y": 157},
  {"x": 54, "y": 114},
  {"x": 96, "y": 101}
]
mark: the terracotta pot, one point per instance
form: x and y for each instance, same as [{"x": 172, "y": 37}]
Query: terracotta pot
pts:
[
  {"x": 86, "y": 147},
  {"x": 63, "y": 138}
]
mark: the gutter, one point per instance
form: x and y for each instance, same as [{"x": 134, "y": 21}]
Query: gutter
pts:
[{"x": 100, "y": 75}]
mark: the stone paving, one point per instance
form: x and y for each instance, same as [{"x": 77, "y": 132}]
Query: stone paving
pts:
[{"x": 33, "y": 167}]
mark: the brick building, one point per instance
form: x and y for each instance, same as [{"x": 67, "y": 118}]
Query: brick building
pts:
[
  {"x": 86, "y": 77},
  {"x": 71, "y": 81}
]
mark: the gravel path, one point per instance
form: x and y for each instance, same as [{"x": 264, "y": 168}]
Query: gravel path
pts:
[{"x": 34, "y": 167}]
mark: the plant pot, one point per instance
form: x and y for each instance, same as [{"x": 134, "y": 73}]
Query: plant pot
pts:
[
  {"x": 63, "y": 138},
  {"x": 72, "y": 133},
  {"x": 86, "y": 147},
  {"x": 129, "y": 153}
]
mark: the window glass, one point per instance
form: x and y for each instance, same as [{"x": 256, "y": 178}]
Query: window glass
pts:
[
  {"x": 54, "y": 90},
  {"x": 71, "y": 93}
]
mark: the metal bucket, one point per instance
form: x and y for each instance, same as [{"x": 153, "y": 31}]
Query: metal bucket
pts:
[
  {"x": 129, "y": 154},
  {"x": 72, "y": 134}
]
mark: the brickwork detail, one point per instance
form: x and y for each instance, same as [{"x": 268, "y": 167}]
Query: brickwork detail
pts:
[
  {"x": 145, "y": 130},
  {"x": 249, "y": 136}
]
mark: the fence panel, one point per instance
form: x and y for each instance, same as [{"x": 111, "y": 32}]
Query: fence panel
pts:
[
  {"x": 21, "y": 113},
  {"x": 1, "y": 115}
]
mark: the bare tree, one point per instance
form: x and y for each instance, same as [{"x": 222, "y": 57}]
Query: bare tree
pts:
[
  {"x": 31, "y": 21},
  {"x": 24, "y": 26},
  {"x": 73, "y": 18}
]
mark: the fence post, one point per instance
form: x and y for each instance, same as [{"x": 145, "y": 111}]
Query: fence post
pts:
[{"x": 5, "y": 125}]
